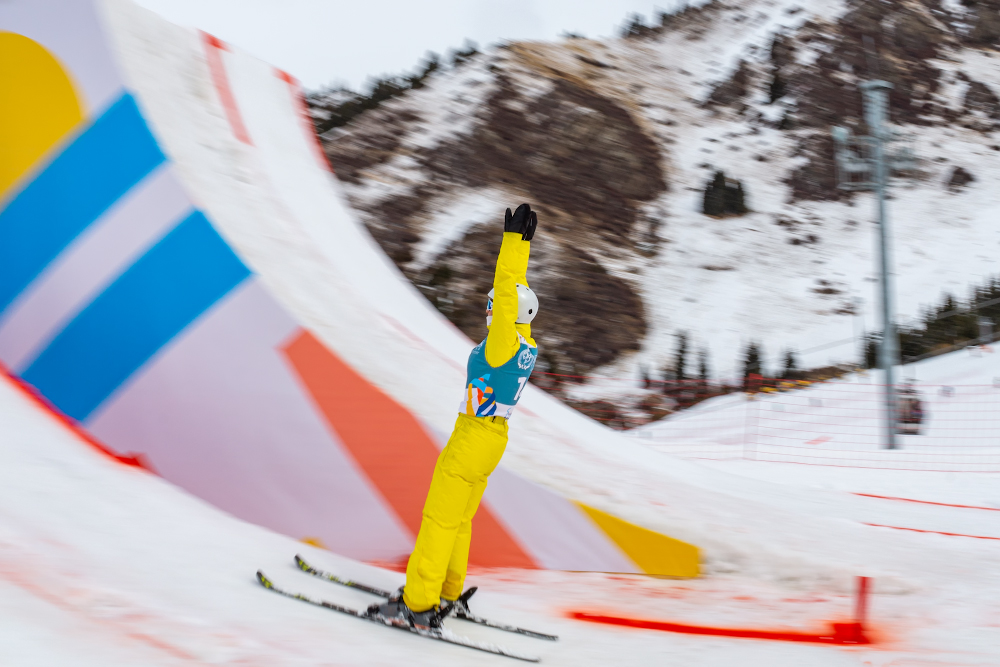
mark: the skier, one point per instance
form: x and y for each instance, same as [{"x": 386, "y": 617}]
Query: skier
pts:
[
  {"x": 910, "y": 409},
  {"x": 498, "y": 369}
]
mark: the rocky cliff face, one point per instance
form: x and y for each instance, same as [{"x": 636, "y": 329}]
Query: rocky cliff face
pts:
[
  {"x": 612, "y": 142},
  {"x": 576, "y": 154}
]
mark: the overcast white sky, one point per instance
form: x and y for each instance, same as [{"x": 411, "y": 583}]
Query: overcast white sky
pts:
[{"x": 347, "y": 41}]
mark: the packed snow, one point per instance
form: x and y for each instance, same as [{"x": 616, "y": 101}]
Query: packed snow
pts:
[
  {"x": 105, "y": 564},
  {"x": 840, "y": 423}
]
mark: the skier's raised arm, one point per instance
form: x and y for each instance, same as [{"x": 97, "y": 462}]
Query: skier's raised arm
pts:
[{"x": 502, "y": 342}]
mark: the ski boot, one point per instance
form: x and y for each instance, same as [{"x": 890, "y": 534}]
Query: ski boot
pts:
[
  {"x": 459, "y": 608},
  {"x": 395, "y": 611}
]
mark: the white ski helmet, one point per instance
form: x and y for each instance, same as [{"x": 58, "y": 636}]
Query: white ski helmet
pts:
[{"x": 527, "y": 305}]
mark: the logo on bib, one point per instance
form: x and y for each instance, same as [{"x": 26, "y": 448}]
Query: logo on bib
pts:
[
  {"x": 525, "y": 360},
  {"x": 480, "y": 399}
]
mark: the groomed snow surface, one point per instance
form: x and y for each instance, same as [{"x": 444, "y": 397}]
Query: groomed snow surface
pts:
[
  {"x": 103, "y": 564},
  {"x": 839, "y": 423}
]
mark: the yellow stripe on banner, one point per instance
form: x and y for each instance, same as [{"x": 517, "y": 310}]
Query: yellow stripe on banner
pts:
[
  {"x": 652, "y": 552},
  {"x": 314, "y": 541}
]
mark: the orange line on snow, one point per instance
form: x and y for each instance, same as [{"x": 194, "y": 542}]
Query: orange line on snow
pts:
[
  {"x": 935, "y": 532},
  {"x": 926, "y": 502},
  {"x": 298, "y": 99},
  {"x": 121, "y": 624},
  {"x": 213, "y": 52},
  {"x": 839, "y": 633},
  {"x": 389, "y": 445}
]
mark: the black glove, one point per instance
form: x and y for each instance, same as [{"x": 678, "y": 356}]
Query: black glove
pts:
[
  {"x": 529, "y": 233},
  {"x": 523, "y": 221}
]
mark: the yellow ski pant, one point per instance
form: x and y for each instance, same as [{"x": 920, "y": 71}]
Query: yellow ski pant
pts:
[{"x": 439, "y": 560}]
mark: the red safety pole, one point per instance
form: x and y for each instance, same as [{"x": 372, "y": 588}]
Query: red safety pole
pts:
[
  {"x": 861, "y": 603},
  {"x": 854, "y": 632}
]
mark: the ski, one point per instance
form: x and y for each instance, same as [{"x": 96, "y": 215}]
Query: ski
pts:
[
  {"x": 472, "y": 618},
  {"x": 439, "y": 634},
  {"x": 306, "y": 567}
]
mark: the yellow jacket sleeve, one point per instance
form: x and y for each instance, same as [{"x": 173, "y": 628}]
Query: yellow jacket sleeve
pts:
[{"x": 512, "y": 268}]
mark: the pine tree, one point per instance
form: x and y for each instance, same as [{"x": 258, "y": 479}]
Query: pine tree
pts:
[
  {"x": 680, "y": 357},
  {"x": 382, "y": 89},
  {"x": 791, "y": 369},
  {"x": 715, "y": 196},
  {"x": 740, "y": 205},
  {"x": 733, "y": 198},
  {"x": 703, "y": 365},
  {"x": 635, "y": 26},
  {"x": 949, "y": 322},
  {"x": 724, "y": 197},
  {"x": 459, "y": 57},
  {"x": 431, "y": 65},
  {"x": 752, "y": 360},
  {"x": 872, "y": 341}
]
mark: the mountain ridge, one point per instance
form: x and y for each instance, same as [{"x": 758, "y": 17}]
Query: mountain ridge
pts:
[{"x": 613, "y": 142}]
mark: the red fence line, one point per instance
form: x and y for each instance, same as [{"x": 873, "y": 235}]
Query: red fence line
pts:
[
  {"x": 941, "y": 427},
  {"x": 928, "y": 502}
]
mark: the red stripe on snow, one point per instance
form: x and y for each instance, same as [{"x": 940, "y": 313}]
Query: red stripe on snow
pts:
[
  {"x": 213, "y": 52},
  {"x": 132, "y": 625},
  {"x": 839, "y": 633},
  {"x": 933, "y": 532},
  {"x": 299, "y": 101},
  {"x": 927, "y": 502},
  {"x": 130, "y": 459},
  {"x": 390, "y": 445}
]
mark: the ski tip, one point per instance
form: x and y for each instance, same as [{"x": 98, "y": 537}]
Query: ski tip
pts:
[
  {"x": 304, "y": 566},
  {"x": 264, "y": 581}
]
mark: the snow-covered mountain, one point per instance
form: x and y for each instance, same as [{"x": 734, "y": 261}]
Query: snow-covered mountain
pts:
[{"x": 614, "y": 141}]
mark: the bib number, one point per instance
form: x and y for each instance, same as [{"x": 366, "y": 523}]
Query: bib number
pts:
[{"x": 522, "y": 382}]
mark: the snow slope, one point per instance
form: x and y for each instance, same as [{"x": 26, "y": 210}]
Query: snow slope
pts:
[
  {"x": 105, "y": 564},
  {"x": 840, "y": 423}
]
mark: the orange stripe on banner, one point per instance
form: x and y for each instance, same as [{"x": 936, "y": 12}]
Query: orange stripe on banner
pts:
[
  {"x": 213, "y": 52},
  {"x": 299, "y": 100},
  {"x": 390, "y": 445}
]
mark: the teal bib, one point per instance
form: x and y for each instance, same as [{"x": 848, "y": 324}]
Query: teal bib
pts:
[{"x": 495, "y": 391}]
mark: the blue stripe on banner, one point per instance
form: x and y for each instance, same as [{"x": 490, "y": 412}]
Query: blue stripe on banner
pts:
[
  {"x": 90, "y": 175},
  {"x": 154, "y": 300}
]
